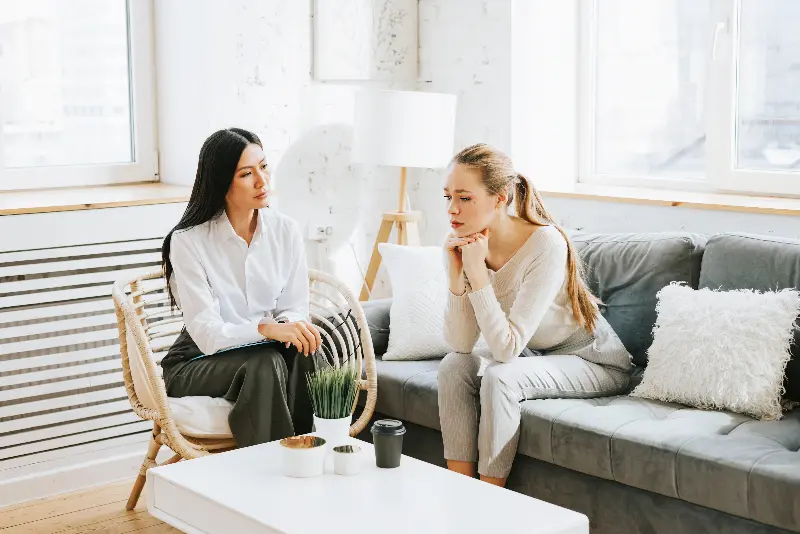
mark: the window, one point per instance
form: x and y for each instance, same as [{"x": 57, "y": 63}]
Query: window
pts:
[
  {"x": 76, "y": 93},
  {"x": 701, "y": 94}
]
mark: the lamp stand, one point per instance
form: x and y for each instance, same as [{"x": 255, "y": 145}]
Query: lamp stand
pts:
[{"x": 407, "y": 234}]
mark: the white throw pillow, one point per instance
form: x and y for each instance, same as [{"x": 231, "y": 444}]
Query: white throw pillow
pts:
[
  {"x": 723, "y": 350},
  {"x": 418, "y": 277},
  {"x": 202, "y": 417},
  {"x": 419, "y": 296}
]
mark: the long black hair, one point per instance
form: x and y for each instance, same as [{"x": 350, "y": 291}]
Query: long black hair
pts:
[{"x": 219, "y": 157}]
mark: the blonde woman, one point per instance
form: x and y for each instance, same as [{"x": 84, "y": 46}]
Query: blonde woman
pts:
[{"x": 517, "y": 280}]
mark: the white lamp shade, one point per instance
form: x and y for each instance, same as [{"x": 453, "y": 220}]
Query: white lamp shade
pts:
[{"x": 404, "y": 128}]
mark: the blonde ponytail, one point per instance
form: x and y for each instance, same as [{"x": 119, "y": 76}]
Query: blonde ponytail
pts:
[{"x": 531, "y": 208}]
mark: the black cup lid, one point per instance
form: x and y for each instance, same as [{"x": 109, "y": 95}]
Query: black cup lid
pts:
[{"x": 388, "y": 427}]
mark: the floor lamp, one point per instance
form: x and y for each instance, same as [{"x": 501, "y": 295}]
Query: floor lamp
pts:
[{"x": 401, "y": 129}]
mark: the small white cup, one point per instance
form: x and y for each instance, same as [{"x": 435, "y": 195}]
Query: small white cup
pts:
[{"x": 347, "y": 459}]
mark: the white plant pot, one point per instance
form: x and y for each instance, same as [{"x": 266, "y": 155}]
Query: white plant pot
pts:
[
  {"x": 303, "y": 456},
  {"x": 334, "y": 431}
]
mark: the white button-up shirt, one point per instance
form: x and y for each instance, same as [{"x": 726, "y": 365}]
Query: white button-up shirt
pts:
[{"x": 226, "y": 289}]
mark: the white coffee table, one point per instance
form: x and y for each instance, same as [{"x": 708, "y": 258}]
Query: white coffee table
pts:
[{"x": 244, "y": 492}]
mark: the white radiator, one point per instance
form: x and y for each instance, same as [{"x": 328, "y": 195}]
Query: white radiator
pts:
[{"x": 61, "y": 391}]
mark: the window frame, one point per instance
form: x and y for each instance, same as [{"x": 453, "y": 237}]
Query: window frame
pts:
[
  {"x": 144, "y": 167},
  {"x": 720, "y": 108}
]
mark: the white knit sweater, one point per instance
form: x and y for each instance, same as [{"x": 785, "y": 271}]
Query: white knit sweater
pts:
[{"x": 526, "y": 304}]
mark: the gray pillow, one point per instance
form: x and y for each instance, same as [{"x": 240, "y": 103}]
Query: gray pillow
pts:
[{"x": 627, "y": 270}]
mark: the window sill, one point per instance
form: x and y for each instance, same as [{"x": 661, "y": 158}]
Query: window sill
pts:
[
  {"x": 683, "y": 199},
  {"x": 89, "y": 198}
]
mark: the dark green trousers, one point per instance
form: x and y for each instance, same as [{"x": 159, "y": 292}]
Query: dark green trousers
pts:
[{"x": 266, "y": 383}]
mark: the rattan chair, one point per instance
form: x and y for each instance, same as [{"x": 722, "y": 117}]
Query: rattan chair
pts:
[{"x": 148, "y": 326}]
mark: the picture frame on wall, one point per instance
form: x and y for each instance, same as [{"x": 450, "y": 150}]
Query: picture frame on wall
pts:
[{"x": 359, "y": 40}]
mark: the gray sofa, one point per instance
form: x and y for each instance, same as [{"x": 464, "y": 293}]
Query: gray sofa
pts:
[{"x": 634, "y": 465}]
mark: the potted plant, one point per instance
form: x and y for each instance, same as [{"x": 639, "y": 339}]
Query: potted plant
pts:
[{"x": 333, "y": 392}]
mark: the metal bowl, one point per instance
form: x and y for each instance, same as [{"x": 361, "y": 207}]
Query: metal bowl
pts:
[
  {"x": 347, "y": 449},
  {"x": 302, "y": 442}
]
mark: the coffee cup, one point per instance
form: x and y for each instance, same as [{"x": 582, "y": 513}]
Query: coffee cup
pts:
[{"x": 387, "y": 438}]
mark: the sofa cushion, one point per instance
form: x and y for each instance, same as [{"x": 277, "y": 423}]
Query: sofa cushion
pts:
[
  {"x": 407, "y": 390},
  {"x": 627, "y": 270},
  {"x": 376, "y": 312},
  {"x": 721, "y": 460},
  {"x": 421, "y": 402},
  {"x": 736, "y": 261}
]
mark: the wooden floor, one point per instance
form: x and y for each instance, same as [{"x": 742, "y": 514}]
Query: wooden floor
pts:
[{"x": 97, "y": 510}]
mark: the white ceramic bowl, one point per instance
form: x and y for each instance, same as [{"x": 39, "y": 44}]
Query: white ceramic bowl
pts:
[
  {"x": 347, "y": 459},
  {"x": 303, "y": 456}
]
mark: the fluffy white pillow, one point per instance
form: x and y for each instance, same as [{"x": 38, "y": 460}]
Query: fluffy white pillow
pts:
[{"x": 724, "y": 350}]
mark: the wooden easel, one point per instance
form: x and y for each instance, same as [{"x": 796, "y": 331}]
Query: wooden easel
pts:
[{"x": 407, "y": 234}]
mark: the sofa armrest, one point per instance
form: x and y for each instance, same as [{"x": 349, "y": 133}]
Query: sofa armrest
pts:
[{"x": 377, "y": 315}]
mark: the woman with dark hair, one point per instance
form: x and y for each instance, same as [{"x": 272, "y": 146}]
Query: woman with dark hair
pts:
[{"x": 237, "y": 270}]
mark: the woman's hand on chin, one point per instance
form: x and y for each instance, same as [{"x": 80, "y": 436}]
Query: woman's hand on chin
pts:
[
  {"x": 302, "y": 335},
  {"x": 455, "y": 267},
  {"x": 473, "y": 256}
]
